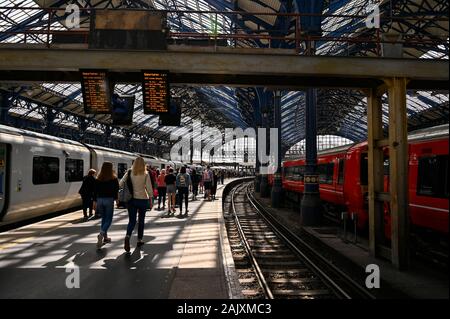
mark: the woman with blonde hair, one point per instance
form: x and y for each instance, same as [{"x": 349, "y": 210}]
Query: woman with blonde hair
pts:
[
  {"x": 141, "y": 195},
  {"x": 105, "y": 193}
]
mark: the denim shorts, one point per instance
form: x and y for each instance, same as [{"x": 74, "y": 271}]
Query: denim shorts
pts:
[{"x": 171, "y": 189}]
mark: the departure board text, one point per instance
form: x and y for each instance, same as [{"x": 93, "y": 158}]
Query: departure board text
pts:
[
  {"x": 96, "y": 92},
  {"x": 156, "y": 92}
]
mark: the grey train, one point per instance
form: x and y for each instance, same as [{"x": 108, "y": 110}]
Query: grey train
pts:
[{"x": 41, "y": 174}]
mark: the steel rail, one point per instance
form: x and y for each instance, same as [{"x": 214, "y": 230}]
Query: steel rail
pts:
[
  {"x": 281, "y": 230},
  {"x": 259, "y": 274}
]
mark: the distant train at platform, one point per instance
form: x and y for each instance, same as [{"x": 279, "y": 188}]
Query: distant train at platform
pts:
[
  {"x": 343, "y": 177},
  {"x": 42, "y": 174}
]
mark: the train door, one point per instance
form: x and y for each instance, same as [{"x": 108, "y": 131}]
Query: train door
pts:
[
  {"x": 4, "y": 163},
  {"x": 339, "y": 189}
]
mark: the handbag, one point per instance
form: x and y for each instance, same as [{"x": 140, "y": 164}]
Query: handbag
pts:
[{"x": 126, "y": 192}]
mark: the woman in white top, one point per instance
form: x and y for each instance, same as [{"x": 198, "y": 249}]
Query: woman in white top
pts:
[{"x": 142, "y": 196}]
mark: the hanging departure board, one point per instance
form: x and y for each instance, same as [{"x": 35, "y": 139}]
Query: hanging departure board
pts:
[
  {"x": 156, "y": 92},
  {"x": 122, "y": 109},
  {"x": 96, "y": 91},
  {"x": 173, "y": 117}
]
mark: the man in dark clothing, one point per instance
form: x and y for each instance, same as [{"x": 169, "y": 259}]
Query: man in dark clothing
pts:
[
  {"x": 214, "y": 182},
  {"x": 222, "y": 177},
  {"x": 87, "y": 193},
  {"x": 195, "y": 178}
]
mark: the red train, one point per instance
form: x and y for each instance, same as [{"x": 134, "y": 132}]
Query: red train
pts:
[{"x": 343, "y": 175}]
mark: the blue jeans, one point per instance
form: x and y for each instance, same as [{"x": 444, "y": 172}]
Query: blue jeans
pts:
[
  {"x": 87, "y": 204},
  {"x": 105, "y": 207},
  {"x": 183, "y": 192},
  {"x": 135, "y": 206}
]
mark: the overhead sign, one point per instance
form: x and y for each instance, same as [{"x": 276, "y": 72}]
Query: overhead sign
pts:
[
  {"x": 156, "y": 92},
  {"x": 173, "y": 118},
  {"x": 128, "y": 30},
  {"x": 122, "y": 109},
  {"x": 96, "y": 91}
]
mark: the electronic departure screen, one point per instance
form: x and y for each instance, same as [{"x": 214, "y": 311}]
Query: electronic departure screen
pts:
[
  {"x": 122, "y": 109},
  {"x": 96, "y": 91},
  {"x": 156, "y": 92},
  {"x": 173, "y": 118}
]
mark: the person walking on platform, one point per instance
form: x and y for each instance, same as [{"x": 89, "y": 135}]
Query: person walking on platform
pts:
[
  {"x": 222, "y": 177},
  {"x": 183, "y": 183},
  {"x": 105, "y": 193},
  {"x": 195, "y": 178},
  {"x": 207, "y": 181},
  {"x": 162, "y": 188},
  {"x": 171, "y": 188},
  {"x": 154, "y": 178},
  {"x": 200, "y": 183},
  {"x": 87, "y": 193},
  {"x": 142, "y": 195},
  {"x": 214, "y": 181}
]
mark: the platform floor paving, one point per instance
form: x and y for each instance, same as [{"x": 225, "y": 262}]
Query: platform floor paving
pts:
[{"x": 182, "y": 258}]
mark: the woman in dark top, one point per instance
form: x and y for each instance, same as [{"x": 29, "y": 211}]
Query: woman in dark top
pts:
[
  {"x": 170, "y": 180},
  {"x": 87, "y": 193},
  {"x": 106, "y": 192},
  {"x": 183, "y": 183}
]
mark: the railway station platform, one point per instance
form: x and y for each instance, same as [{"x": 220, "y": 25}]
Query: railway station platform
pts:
[
  {"x": 423, "y": 280},
  {"x": 182, "y": 258}
]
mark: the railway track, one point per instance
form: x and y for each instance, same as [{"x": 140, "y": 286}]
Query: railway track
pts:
[{"x": 272, "y": 262}]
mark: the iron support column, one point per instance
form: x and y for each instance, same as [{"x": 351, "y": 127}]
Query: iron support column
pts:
[
  {"x": 398, "y": 171},
  {"x": 82, "y": 129},
  {"x": 4, "y": 107},
  {"x": 375, "y": 166},
  {"x": 257, "y": 167},
  {"x": 48, "y": 125},
  {"x": 277, "y": 187},
  {"x": 310, "y": 206},
  {"x": 265, "y": 189},
  {"x": 257, "y": 157}
]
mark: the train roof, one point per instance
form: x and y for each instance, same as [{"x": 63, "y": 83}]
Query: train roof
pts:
[
  {"x": 429, "y": 133},
  {"x": 425, "y": 134},
  {"x": 330, "y": 151},
  {"x": 106, "y": 149},
  {"x": 25, "y": 133}
]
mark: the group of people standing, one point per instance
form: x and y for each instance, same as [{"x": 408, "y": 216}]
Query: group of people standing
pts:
[
  {"x": 144, "y": 184},
  {"x": 99, "y": 194},
  {"x": 178, "y": 185}
]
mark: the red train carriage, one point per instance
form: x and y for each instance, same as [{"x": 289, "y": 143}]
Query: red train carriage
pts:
[
  {"x": 428, "y": 181},
  {"x": 343, "y": 176}
]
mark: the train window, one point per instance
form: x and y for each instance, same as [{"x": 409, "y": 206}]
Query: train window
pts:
[
  {"x": 300, "y": 173},
  {"x": 121, "y": 169},
  {"x": 433, "y": 176},
  {"x": 287, "y": 173},
  {"x": 74, "y": 170},
  {"x": 45, "y": 170},
  {"x": 341, "y": 171},
  {"x": 364, "y": 169},
  {"x": 326, "y": 172}
]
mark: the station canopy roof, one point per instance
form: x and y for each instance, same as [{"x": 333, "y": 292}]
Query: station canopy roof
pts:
[{"x": 340, "y": 112}]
